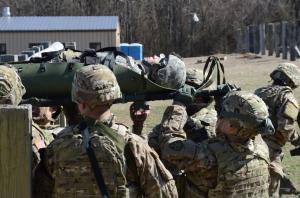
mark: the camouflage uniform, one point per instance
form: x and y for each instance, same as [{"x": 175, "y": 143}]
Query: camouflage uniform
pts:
[
  {"x": 283, "y": 109},
  {"x": 43, "y": 117},
  {"x": 11, "y": 92},
  {"x": 170, "y": 72},
  {"x": 38, "y": 142},
  {"x": 217, "y": 167},
  {"x": 199, "y": 126},
  {"x": 128, "y": 165}
]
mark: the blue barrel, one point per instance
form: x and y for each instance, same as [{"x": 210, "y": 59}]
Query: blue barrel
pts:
[
  {"x": 125, "y": 48},
  {"x": 136, "y": 51}
]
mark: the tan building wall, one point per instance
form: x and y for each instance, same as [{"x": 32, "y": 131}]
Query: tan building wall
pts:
[{"x": 17, "y": 42}]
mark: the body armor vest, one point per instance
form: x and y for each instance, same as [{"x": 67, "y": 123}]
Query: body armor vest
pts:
[
  {"x": 241, "y": 173},
  {"x": 272, "y": 95},
  {"x": 73, "y": 174}
]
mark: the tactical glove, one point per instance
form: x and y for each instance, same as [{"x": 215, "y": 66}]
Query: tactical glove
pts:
[{"x": 185, "y": 95}]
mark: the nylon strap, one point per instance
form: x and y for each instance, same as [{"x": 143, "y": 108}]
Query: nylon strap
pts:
[{"x": 211, "y": 64}]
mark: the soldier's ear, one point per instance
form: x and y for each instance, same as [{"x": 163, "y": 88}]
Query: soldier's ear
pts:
[{"x": 82, "y": 107}]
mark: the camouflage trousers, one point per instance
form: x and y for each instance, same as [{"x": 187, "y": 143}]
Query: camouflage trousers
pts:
[{"x": 276, "y": 171}]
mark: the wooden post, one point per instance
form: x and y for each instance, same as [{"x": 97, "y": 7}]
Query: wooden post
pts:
[
  {"x": 246, "y": 39},
  {"x": 298, "y": 35},
  {"x": 15, "y": 151},
  {"x": 277, "y": 38},
  {"x": 270, "y": 40},
  {"x": 291, "y": 38},
  {"x": 262, "y": 39},
  {"x": 238, "y": 40},
  {"x": 251, "y": 38},
  {"x": 284, "y": 39}
]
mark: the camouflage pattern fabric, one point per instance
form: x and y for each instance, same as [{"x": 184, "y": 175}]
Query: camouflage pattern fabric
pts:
[
  {"x": 11, "y": 87},
  {"x": 136, "y": 170},
  {"x": 172, "y": 75},
  {"x": 283, "y": 108},
  {"x": 289, "y": 70},
  {"x": 245, "y": 111},
  {"x": 201, "y": 125},
  {"x": 38, "y": 142},
  {"x": 95, "y": 84},
  {"x": 194, "y": 76},
  {"x": 198, "y": 127},
  {"x": 50, "y": 132},
  {"x": 216, "y": 167}
]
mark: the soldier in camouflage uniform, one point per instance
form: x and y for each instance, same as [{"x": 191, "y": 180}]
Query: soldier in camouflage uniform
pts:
[
  {"x": 169, "y": 72},
  {"x": 199, "y": 126},
  {"x": 129, "y": 167},
  {"x": 202, "y": 117},
  {"x": 11, "y": 92},
  {"x": 283, "y": 109},
  {"x": 233, "y": 164},
  {"x": 45, "y": 118}
]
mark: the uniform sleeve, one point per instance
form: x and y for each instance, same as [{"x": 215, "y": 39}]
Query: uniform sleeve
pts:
[
  {"x": 174, "y": 146},
  {"x": 286, "y": 119},
  {"x": 147, "y": 171},
  {"x": 38, "y": 142}
]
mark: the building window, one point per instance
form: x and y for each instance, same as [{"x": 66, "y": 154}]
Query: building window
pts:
[
  {"x": 2, "y": 48},
  {"x": 33, "y": 44},
  {"x": 95, "y": 46}
]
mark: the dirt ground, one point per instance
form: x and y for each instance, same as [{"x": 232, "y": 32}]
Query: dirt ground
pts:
[{"x": 246, "y": 70}]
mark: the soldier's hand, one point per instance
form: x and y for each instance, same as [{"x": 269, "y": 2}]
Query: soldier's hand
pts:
[
  {"x": 185, "y": 95},
  {"x": 139, "y": 112}
]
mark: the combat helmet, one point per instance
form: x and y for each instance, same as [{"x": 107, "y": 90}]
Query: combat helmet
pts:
[
  {"x": 194, "y": 77},
  {"x": 286, "y": 72},
  {"x": 171, "y": 72},
  {"x": 248, "y": 113},
  {"x": 11, "y": 87},
  {"x": 95, "y": 85}
]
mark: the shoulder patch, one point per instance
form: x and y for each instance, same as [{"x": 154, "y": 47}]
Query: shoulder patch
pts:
[
  {"x": 291, "y": 110},
  {"x": 121, "y": 128}
]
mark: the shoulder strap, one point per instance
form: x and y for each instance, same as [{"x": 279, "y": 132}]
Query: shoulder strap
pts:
[{"x": 92, "y": 157}]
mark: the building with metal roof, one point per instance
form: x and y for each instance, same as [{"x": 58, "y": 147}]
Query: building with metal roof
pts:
[{"x": 20, "y": 33}]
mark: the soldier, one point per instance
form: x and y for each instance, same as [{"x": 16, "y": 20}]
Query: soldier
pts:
[
  {"x": 11, "y": 92},
  {"x": 45, "y": 118},
  {"x": 100, "y": 157},
  {"x": 283, "y": 109},
  {"x": 169, "y": 72},
  {"x": 200, "y": 124},
  {"x": 202, "y": 117},
  {"x": 233, "y": 164}
]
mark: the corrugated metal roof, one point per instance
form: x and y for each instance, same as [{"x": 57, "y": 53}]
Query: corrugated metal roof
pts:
[{"x": 58, "y": 23}]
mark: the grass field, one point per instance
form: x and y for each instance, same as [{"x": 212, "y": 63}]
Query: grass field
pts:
[{"x": 249, "y": 74}]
